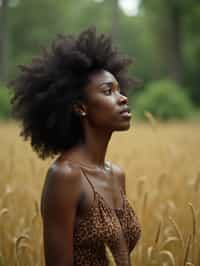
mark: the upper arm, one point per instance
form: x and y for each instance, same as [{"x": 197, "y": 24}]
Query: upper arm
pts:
[
  {"x": 60, "y": 200},
  {"x": 120, "y": 175}
]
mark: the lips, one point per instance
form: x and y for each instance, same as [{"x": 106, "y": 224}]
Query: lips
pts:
[
  {"x": 125, "y": 113},
  {"x": 125, "y": 110}
]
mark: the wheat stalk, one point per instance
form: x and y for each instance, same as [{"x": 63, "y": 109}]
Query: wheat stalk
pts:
[
  {"x": 151, "y": 119},
  {"x": 150, "y": 253},
  {"x": 158, "y": 233},
  {"x": 178, "y": 231},
  {"x": 193, "y": 219},
  {"x": 34, "y": 218},
  {"x": 187, "y": 250},
  {"x": 169, "y": 240},
  {"x": 19, "y": 239},
  {"x": 110, "y": 256},
  {"x": 3, "y": 211},
  {"x": 197, "y": 183},
  {"x": 144, "y": 202},
  {"x": 170, "y": 256}
]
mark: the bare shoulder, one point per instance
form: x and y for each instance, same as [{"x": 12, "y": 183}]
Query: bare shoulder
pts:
[
  {"x": 62, "y": 186},
  {"x": 64, "y": 175},
  {"x": 65, "y": 172},
  {"x": 120, "y": 175}
]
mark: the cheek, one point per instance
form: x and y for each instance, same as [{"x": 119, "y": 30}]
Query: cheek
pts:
[{"x": 102, "y": 110}]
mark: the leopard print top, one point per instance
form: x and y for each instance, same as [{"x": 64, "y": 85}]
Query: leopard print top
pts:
[{"x": 119, "y": 229}]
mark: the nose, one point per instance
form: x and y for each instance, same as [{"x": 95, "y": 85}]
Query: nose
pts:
[{"x": 123, "y": 99}]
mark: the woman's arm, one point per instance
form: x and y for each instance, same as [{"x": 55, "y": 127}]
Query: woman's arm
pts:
[{"x": 59, "y": 204}]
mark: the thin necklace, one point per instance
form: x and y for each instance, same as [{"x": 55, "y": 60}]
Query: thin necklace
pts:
[{"x": 90, "y": 166}]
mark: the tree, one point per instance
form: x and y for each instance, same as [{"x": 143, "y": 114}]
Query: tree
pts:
[
  {"x": 174, "y": 36},
  {"x": 3, "y": 39},
  {"x": 115, "y": 19}
]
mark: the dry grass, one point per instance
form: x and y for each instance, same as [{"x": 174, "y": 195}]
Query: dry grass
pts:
[{"x": 162, "y": 164}]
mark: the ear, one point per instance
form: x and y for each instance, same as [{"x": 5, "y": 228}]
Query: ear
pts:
[{"x": 80, "y": 108}]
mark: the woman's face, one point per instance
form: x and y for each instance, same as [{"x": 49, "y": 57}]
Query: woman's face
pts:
[{"x": 105, "y": 107}]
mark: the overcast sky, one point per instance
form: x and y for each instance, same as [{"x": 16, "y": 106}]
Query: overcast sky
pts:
[{"x": 130, "y": 7}]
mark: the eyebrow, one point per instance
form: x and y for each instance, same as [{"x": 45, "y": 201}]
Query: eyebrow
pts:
[{"x": 108, "y": 83}]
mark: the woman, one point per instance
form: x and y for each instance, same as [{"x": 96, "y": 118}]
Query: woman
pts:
[{"x": 70, "y": 100}]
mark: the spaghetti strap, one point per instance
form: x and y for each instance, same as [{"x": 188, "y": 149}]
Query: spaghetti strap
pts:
[
  {"x": 83, "y": 172},
  {"x": 81, "y": 166}
]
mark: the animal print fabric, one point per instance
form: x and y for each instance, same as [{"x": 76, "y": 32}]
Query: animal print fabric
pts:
[{"x": 119, "y": 229}]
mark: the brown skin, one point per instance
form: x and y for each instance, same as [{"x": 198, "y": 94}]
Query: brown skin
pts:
[{"x": 66, "y": 193}]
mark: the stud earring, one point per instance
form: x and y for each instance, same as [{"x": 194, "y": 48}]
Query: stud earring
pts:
[{"x": 83, "y": 113}]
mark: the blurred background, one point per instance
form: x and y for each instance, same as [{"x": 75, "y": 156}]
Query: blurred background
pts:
[
  {"x": 161, "y": 35},
  {"x": 159, "y": 156}
]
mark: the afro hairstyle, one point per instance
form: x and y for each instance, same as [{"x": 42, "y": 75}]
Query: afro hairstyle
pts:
[{"x": 45, "y": 90}]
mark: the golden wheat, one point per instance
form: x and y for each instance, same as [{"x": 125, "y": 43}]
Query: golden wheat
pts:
[{"x": 162, "y": 166}]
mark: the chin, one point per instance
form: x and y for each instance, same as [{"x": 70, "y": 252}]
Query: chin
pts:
[{"x": 123, "y": 127}]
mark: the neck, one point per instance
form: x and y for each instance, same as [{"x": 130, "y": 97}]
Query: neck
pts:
[
  {"x": 95, "y": 146},
  {"x": 93, "y": 150}
]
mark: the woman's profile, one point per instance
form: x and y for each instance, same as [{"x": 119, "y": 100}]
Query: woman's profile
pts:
[{"x": 70, "y": 100}]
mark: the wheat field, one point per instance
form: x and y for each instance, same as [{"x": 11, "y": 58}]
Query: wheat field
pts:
[{"x": 162, "y": 166}]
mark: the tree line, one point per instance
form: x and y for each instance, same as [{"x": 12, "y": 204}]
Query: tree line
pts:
[{"x": 163, "y": 37}]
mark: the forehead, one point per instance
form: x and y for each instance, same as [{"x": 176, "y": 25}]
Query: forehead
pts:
[{"x": 99, "y": 77}]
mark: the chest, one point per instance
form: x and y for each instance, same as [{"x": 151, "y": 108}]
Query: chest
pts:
[
  {"x": 115, "y": 227},
  {"x": 108, "y": 188}
]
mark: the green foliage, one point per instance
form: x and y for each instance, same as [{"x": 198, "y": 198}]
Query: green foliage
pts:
[
  {"x": 163, "y": 37},
  {"x": 5, "y": 107},
  {"x": 165, "y": 100}
]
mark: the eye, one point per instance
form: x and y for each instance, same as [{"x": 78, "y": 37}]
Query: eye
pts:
[{"x": 108, "y": 91}]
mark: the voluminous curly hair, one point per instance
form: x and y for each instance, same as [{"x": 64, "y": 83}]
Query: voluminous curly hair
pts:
[{"x": 45, "y": 91}]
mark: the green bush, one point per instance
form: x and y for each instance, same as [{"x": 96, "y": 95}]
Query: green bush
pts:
[
  {"x": 5, "y": 108},
  {"x": 165, "y": 100}
]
